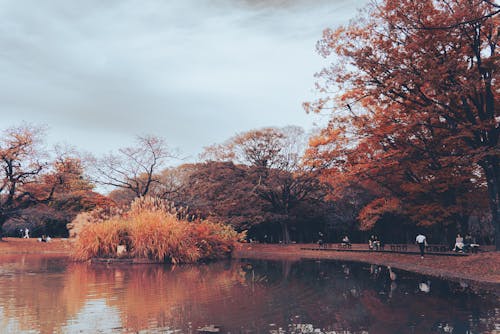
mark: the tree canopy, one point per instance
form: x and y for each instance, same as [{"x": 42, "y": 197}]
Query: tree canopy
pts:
[
  {"x": 38, "y": 191},
  {"x": 414, "y": 118}
]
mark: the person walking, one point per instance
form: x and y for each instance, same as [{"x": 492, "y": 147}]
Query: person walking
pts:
[
  {"x": 421, "y": 241},
  {"x": 320, "y": 240}
]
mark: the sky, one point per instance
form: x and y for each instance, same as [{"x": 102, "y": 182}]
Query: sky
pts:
[{"x": 99, "y": 73}]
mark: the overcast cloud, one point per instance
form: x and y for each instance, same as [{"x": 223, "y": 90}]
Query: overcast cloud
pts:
[{"x": 196, "y": 72}]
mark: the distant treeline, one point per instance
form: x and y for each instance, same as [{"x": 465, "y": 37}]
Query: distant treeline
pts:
[{"x": 260, "y": 181}]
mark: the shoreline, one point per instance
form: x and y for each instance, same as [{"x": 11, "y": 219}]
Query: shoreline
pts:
[{"x": 481, "y": 271}]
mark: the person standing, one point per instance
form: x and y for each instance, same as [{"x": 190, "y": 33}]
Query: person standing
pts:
[{"x": 421, "y": 241}]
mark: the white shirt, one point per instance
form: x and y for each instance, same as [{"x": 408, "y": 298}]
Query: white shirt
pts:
[{"x": 420, "y": 239}]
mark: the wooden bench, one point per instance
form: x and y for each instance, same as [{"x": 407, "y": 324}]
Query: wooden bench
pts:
[
  {"x": 376, "y": 246},
  {"x": 343, "y": 245},
  {"x": 399, "y": 247},
  {"x": 437, "y": 248},
  {"x": 474, "y": 248},
  {"x": 321, "y": 244}
]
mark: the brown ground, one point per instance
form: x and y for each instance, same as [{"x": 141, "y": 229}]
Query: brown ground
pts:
[
  {"x": 482, "y": 269},
  {"x": 33, "y": 246}
]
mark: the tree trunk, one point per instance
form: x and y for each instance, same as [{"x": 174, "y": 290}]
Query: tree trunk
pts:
[
  {"x": 2, "y": 221},
  {"x": 285, "y": 233},
  {"x": 491, "y": 168}
]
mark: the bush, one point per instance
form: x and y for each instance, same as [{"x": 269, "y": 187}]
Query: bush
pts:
[{"x": 150, "y": 230}]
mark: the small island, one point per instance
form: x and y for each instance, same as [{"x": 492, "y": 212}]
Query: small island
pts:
[{"x": 150, "y": 232}]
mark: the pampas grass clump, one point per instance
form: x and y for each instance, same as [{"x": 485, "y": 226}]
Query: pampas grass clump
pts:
[
  {"x": 99, "y": 239},
  {"x": 150, "y": 230}
]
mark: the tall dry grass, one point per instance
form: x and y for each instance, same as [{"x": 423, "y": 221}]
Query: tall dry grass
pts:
[
  {"x": 99, "y": 239},
  {"x": 150, "y": 230}
]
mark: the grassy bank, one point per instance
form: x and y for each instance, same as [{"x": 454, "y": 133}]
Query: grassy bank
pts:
[{"x": 33, "y": 246}]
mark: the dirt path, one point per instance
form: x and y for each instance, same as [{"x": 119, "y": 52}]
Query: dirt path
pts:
[
  {"x": 33, "y": 246},
  {"x": 481, "y": 270}
]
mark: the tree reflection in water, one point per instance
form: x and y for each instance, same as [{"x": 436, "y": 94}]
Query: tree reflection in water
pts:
[{"x": 50, "y": 295}]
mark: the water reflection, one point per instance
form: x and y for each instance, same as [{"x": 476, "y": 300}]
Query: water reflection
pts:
[
  {"x": 51, "y": 295},
  {"x": 425, "y": 286}
]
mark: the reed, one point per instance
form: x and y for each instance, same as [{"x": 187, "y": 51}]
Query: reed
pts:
[
  {"x": 99, "y": 239},
  {"x": 151, "y": 230},
  {"x": 160, "y": 236}
]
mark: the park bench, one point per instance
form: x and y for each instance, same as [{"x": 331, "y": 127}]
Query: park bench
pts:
[
  {"x": 437, "y": 248},
  {"x": 376, "y": 246},
  {"x": 474, "y": 248},
  {"x": 399, "y": 247},
  {"x": 344, "y": 246}
]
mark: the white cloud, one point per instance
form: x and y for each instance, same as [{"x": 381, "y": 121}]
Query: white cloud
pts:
[{"x": 195, "y": 72}]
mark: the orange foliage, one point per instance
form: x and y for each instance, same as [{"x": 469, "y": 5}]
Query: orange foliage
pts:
[
  {"x": 372, "y": 212},
  {"x": 415, "y": 120}
]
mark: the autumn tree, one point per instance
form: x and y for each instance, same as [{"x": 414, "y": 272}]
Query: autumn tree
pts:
[
  {"x": 221, "y": 191},
  {"x": 20, "y": 165},
  {"x": 34, "y": 188},
  {"x": 281, "y": 180},
  {"x": 62, "y": 177},
  {"x": 172, "y": 181},
  {"x": 134, "y": 168},
  {"x": 412, "y": 89},
  {"x": 260, "y": 148}
]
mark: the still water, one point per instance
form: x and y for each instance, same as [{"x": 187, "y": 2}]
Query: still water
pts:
[{"x": 47, "y": 294}]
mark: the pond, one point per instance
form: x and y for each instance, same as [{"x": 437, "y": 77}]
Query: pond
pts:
[{"x": 49, "y": 294}]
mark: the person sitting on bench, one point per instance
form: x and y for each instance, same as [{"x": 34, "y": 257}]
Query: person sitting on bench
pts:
[
  {"x": 370, "y": 242},
  {"x": 467, "y": 242},
  {"x": 470, "y": 244},
  {"x": 346, "y": 242},
  {"x": 459, "y": 244}
]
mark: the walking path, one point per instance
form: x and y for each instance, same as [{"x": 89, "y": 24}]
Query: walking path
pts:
[
  {"x": 409, "y": 249},
  {"x": 33, "y": 246}
]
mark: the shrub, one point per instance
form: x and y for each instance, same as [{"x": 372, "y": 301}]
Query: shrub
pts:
[{"x": 214, "y": 240}]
